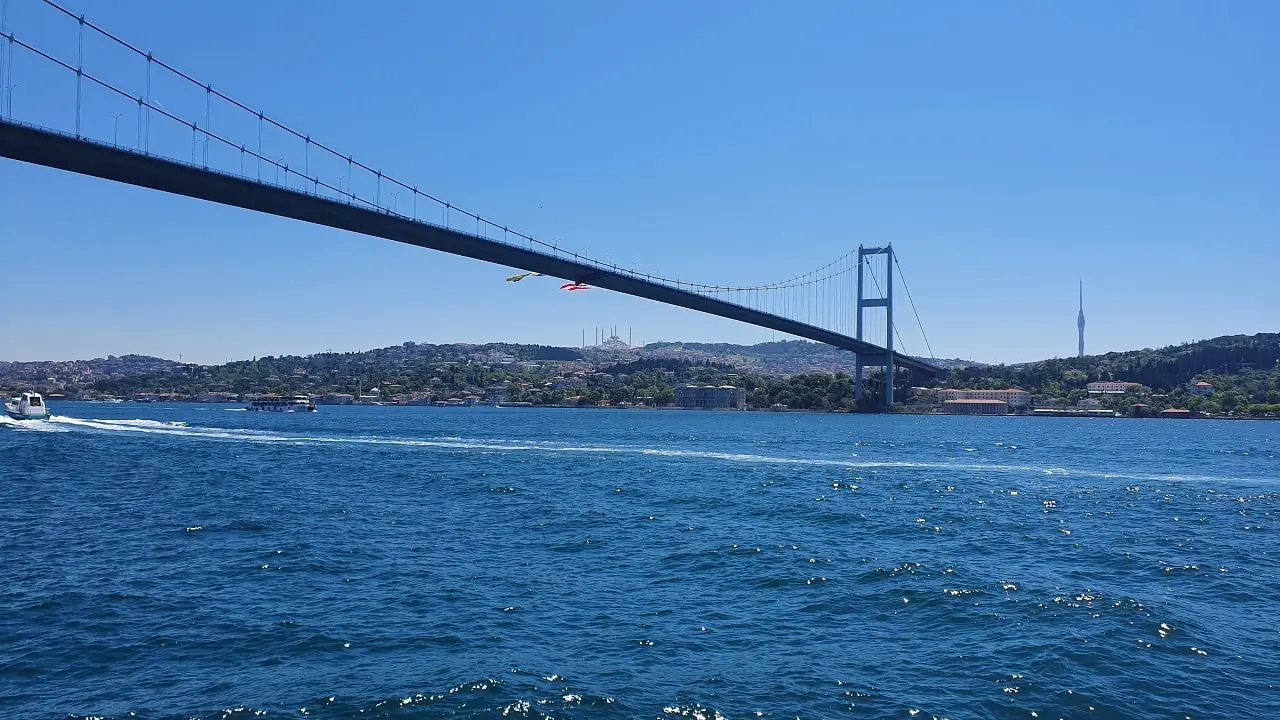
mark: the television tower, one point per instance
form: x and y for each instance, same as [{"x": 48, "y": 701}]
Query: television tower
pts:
[{"x": 1080, "y": 320}]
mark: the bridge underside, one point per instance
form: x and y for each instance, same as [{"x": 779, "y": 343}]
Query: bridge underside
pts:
[{"x": 50, "y": 149}]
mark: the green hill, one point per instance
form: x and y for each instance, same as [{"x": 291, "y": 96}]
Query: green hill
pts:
[{"x": 1242, "y": 369}]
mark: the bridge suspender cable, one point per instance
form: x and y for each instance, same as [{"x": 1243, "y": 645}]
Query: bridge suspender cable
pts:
[
  {"x": 913, "y": 308},
  {"x": 807, "y": 281},
  {"x": 871, "y": 270},
  {"x": 816, "y": 303}
]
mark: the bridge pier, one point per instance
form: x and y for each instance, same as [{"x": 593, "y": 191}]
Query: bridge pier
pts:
[
  {"x": 886, "y": 302},
  {"x": 857, "y": 356}
]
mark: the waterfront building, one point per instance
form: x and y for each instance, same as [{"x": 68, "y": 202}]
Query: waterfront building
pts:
[
  {"x": 496, "y": 394},
  {"x": 1072, "y": 412},
  {"x": 711, "y": 397},
  {"x": 975, "y": 407},
  {"x": 336, "y": 399},
  {"x": 1013, "y": 397}
]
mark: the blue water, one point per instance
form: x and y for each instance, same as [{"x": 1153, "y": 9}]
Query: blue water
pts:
[{"x": 191, "y": 561}]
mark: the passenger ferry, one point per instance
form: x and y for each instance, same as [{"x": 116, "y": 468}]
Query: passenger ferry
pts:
[
  {"x": 27, "y": 406},
  {"x": 278, "y": 403}
]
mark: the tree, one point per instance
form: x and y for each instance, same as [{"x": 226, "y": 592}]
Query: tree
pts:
[{"x": 1230, "y": 400}]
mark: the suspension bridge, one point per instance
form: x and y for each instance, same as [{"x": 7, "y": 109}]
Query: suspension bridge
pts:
[{"x": 238, "y": 156}]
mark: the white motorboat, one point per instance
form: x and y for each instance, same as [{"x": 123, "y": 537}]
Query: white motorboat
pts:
[
  {"x": 27, "y": 406},
  {"x": 277, "y": 403}
]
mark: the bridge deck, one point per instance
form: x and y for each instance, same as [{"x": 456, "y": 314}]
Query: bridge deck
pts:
[{"x": 51, "y": 149}]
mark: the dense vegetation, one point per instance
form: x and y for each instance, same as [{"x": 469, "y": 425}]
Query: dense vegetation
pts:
[
  {"x": 649, "y": 381},
  {"x": 1242, "y": 369}
]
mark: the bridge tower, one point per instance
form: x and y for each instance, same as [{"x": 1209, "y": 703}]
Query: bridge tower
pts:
[{"x": 885, "y": 301}]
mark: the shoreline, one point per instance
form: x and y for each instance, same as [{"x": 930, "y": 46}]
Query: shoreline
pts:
[{"x": 524, "y": 406}]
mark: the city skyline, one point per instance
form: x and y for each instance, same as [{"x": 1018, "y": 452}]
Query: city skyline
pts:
[{"x": 978, "y": 170}]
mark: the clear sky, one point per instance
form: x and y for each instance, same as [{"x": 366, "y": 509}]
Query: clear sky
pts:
[{"x": 1006, "y": 149}]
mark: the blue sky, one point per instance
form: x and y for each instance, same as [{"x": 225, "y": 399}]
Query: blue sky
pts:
[{"x": 1006, "y": 149}]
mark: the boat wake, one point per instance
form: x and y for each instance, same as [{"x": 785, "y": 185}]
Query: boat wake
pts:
[
  {"x": 183, "y": 429},
  {"x": 30, "y": 425}
]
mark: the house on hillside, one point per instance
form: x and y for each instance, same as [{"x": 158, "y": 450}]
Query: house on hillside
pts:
[
  {"x": 1111, "y": 387},
  {"x": 1201, "y": 388}
]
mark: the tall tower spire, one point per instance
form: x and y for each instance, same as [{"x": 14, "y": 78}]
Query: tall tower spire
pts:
[{"x": 1080, "y": 320}]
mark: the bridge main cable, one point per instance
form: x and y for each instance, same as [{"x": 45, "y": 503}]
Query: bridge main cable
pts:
[
  {"x": 798, "y": 280},
  {"x": 322, "y": 146},
  {"x": 822, "y": 283}
]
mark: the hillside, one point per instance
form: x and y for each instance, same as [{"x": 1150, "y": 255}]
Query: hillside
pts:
[
  {"x": 782, "y": 357},
  {"x": 1160, "y": 369},
  {"x": 1242, "y": 370}
]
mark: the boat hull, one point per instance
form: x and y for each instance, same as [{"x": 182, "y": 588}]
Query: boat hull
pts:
[{"x": 19, "y": 415}]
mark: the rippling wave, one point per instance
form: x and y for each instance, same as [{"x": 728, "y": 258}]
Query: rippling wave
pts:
[{"x": 173, "y": 562}]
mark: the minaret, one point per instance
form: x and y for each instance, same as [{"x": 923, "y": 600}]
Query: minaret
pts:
[{"x": 1080, "y": 319}]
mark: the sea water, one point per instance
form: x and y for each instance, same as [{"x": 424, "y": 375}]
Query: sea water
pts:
[{"x": 192, "y": 561}]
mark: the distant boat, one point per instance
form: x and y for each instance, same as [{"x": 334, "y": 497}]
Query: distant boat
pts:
[
  {"x": 277, "y": 403},
  {"x": 27, "y": 406}
]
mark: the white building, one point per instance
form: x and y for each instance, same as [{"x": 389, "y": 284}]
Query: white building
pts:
[
  {"x": 1111, "y": 387},
  {"x": 336, "y": 399},
  {"x": 1014, "y": 397},
  {"x": 1201, "y": 388}
]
